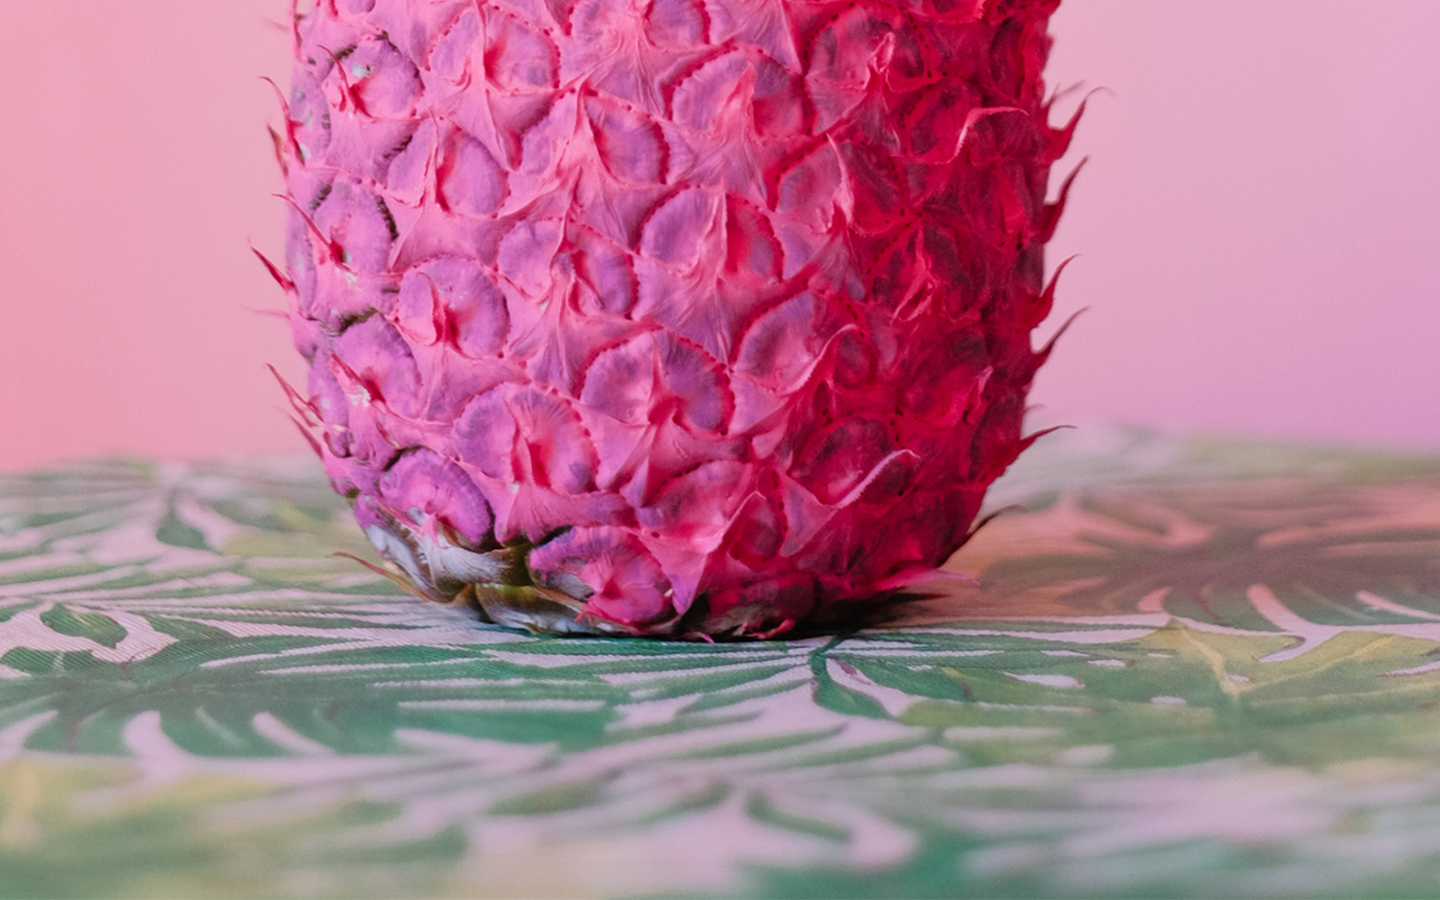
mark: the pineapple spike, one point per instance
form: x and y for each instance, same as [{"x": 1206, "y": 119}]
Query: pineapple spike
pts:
[
  {"x": 1046, "y": 301},
  {"x": 304, "y": 408},
  {"x": 1043, "y": 353},
  {"x": 347, "y": 90},
  {"x": 276, "y": 143},
  {"x": 296, "y": 43},
  {"x": 1051, "y": 217},
  {"x": 309, "y": 436},
  {"x": 291, "y": 146},
  {"x": 286, "y": 284},
  {"x": 1061, "y": 137},
  {"x": 335, "y": 251},
  {"x": 1060, "y": 93}
]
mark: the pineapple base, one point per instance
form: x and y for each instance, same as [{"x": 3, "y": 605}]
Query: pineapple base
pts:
[{"x": 498, "y": 586}]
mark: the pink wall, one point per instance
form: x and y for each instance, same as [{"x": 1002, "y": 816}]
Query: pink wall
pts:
[
  {"x": 1260, "y": 218},
  {"x": 1258, "y": 222},
  {"x": 136, "y": 166}
]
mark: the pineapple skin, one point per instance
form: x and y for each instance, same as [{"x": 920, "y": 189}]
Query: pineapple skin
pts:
[{"x": 678, "y": 317}]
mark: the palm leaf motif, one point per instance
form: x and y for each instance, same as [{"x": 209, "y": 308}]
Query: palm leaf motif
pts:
[
  {"x": 1186, "y": 668},
  {"x": 1309, "y": 557}
]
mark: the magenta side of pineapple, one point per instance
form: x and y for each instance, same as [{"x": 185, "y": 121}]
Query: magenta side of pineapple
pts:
[{"x": 727, "y": 299}]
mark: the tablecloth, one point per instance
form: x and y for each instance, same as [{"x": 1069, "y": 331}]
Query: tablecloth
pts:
[{"x": 1187, "y": 668}]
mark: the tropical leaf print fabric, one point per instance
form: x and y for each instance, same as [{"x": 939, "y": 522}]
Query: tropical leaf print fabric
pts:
[{"x": 1187, "y": 669}]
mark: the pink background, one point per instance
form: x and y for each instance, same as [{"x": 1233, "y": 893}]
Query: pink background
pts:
[{"x": 1259, "y": 224}]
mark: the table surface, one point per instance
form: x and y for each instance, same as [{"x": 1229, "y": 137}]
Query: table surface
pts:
[{"x": 1189, "y": 668}]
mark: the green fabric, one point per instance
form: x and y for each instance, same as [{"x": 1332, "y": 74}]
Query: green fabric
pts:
[{"x": 1189, "y": 669}]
